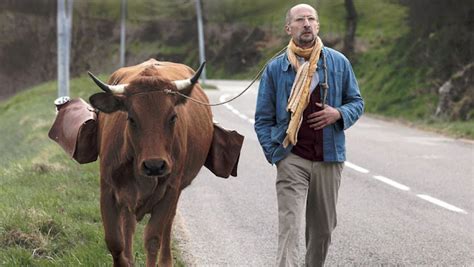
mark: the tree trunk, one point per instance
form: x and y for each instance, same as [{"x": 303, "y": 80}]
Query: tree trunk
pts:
[{"x": 351, "y": 26}]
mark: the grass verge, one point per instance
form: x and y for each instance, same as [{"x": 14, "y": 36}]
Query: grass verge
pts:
[{"x": 49, "y": 204}]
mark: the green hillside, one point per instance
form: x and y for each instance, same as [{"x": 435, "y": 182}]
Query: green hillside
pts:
[
  {"x": 405, "y": 50},
  {"x": 413, "y": 49}
]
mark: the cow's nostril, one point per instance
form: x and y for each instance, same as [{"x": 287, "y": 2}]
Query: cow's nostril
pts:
[{"x": 155, "y": 167}]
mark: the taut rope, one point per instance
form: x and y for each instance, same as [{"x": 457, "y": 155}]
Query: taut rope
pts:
[{"x": 168, "y": 91}]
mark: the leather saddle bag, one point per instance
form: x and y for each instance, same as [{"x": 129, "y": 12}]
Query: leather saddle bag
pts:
[
  {"x": 75, "y": 130},
  {"x": 224, "y": 154}
]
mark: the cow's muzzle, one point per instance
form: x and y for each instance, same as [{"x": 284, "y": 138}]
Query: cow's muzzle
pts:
[{"x": 155, "y": 167}]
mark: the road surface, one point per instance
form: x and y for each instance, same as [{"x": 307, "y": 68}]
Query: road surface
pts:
[{"x": 406, "y": 198}]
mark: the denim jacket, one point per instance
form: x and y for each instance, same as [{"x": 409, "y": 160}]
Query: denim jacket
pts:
[{"x": 272, "y": 118}]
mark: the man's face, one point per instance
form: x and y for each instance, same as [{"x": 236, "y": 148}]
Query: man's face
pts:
[{"x": 303, "y": 26}]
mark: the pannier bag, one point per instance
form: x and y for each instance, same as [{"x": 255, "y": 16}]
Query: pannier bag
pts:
[
  {"x": 224, "y": 154},
  {"x": 75, "y": 129}
]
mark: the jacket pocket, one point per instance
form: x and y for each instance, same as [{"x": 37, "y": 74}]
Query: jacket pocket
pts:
[
  {"x": 278, "y": 153},
  {"x": 278, "y": 133}
]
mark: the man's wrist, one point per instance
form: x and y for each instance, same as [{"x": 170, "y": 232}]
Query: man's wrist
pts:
[{"x": 339, "y": 114}]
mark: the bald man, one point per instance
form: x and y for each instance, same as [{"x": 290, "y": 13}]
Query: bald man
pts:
[{"x": 307, "y": 97}]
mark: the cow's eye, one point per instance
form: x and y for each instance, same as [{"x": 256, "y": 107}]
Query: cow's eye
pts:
[
  {"x": 131, "y": 121},
  {"x": 173, "y": 119}
]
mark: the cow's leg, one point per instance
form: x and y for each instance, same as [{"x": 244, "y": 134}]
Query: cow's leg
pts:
[
  {"x": 112, "y": 227},
  {"x": 129, "y": 223},
  {"x": 166, "y": 259},
  {"x": 161, "y": 217}
]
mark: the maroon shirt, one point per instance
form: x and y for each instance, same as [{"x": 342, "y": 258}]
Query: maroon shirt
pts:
[{"x": 310, "y": 142}]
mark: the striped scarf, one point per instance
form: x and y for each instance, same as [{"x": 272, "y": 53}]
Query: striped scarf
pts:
[{"x": 300, "y": 91}]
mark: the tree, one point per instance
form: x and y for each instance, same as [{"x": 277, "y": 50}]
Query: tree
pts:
[{"x": 351, "y": 26}]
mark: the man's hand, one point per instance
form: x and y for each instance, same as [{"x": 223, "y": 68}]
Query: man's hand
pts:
[{"x": 323, "y": 118}]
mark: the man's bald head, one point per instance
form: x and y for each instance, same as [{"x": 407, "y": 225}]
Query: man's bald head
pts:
[
  {"x": 289, "y": 13},
  {"x": 302, "y": 24}
]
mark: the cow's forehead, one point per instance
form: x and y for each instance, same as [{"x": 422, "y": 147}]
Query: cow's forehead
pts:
[
  {"x": 152, "y": 102},
  {"x": 144, "y": 84}
]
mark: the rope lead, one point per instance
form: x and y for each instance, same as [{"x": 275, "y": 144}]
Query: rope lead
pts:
[{"x": 235, "y": 97}]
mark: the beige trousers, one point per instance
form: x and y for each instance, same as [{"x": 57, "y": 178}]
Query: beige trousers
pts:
[{"x": 316, "y": 184}]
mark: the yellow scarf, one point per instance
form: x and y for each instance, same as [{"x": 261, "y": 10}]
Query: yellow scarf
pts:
[{"x": 299, "y": 97}]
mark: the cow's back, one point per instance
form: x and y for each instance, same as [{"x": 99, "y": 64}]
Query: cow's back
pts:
[{"x": 167, "y": 70}]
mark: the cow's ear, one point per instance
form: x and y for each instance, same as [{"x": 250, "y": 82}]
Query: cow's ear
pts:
[
  {"x": 187, "y": 92},
  {"x": 106, "y": 102}
]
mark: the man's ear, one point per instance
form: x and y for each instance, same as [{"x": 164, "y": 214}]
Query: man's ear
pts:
[
  {"x": 287, "y": 29},
  {"x": 107, "y": 102}
]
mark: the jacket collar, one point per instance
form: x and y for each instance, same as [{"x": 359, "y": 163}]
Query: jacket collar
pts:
[{"x": 285, "y": 64}]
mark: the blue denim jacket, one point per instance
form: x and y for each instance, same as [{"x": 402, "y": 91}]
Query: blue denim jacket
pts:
[{"x": 272, "y": 118}]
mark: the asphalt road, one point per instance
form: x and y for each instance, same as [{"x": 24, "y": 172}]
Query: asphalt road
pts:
[{"x": 406, "y": 197}]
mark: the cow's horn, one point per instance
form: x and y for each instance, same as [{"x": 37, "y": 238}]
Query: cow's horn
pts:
[
  {"x": 183, "y": 84},
  {"x": 119, "y": 88}
]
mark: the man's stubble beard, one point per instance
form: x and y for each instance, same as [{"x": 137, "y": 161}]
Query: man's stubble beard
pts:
[{"x": 306, "y": 41}]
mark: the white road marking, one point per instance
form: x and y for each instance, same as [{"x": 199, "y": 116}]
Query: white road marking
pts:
[
  {"x": 428, "y": 141},
  {"x": 355, "y": 167},
  {"x": 234, "y": 110},
  {"x": 363, "y": 170},
  {"x": 441, "y": 203},
  {"x": 430, "y": 157},
  {"x": 392, "y": 183}
]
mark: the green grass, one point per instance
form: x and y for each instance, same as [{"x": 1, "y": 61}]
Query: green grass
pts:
[
  {"x": 208, "y": 86},
  {"x": 461, "y": 129},
  {"x": 49, "y": 204}
]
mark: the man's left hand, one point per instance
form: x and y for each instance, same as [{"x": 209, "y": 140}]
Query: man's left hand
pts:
[{"x": 323, "y": 118}]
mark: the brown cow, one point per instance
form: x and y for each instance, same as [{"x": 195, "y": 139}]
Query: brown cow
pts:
[{"x": 152, "y": 143}]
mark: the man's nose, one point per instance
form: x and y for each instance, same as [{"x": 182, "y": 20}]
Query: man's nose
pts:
[{"x": 306, "y": 22}]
